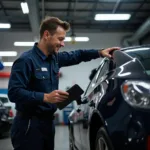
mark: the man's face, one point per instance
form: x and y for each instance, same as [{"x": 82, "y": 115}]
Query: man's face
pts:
[{"x": 56, "y": 41}]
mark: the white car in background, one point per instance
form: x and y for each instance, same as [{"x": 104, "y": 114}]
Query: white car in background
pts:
[{"x": 11, "y": 106}]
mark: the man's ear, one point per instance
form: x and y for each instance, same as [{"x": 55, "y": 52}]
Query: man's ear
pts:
[{"x": 46, "y": 34}]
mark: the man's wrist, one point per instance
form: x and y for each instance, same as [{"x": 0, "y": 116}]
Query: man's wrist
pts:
[
  {"x": 100, "y": 52},
  {"x": 45, "y": 99}
]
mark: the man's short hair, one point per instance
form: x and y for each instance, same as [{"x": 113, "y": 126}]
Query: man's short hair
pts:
[{"x": 51, "y": 24}]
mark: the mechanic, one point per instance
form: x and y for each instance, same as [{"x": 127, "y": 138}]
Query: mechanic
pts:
[{"x": 33, "y": 85}]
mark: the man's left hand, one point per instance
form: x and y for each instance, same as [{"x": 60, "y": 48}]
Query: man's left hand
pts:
[{"x": 106, "y": 52}]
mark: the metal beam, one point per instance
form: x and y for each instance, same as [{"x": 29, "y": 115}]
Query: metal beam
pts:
[
  {"x": 43, "y": 9},
  {"x": 91, "y": 1},
  {"x": 2, "y": 7},
  {"x": 68, "y": 12},
  {"x": 5, "y": 13},
  {"x": 34, "y": 17},
  {"x": 116, "y": 7},
  {"x": 87, "y": 1},
  {"x": 83, "y": 10},
  {"x": 91, "y": 16},
  {"x": 22, "y": 18}
]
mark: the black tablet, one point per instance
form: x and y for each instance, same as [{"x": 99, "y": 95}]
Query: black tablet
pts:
[{"x": 74, "y": 93}]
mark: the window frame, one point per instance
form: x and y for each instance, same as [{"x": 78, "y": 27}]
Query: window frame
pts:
[{"x": 96, "y": 77}]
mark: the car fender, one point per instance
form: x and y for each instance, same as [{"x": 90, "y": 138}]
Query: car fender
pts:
[{"x": 95, "y": 122}]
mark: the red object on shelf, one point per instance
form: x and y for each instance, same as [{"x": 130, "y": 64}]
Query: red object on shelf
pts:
[{"x": 4, "y": 74}]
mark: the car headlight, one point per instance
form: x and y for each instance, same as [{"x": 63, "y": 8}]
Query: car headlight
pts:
[{"x": 136, "y": 93}]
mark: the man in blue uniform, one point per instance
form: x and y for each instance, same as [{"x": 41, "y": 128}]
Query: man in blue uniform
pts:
[{"x": 33, "y": 85}]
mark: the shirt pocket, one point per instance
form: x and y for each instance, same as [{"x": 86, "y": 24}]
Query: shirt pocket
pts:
[
  {"x": 42, "y": 81},
  {"x": 42, "y": 76}
]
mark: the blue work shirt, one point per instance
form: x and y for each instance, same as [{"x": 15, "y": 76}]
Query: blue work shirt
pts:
[{"x": 34, "y": 74}]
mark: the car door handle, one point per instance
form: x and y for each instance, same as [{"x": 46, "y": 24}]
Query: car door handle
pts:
[{"x": 92, "y": 104}]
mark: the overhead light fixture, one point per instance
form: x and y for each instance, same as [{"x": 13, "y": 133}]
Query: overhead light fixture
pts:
[
  {"x": 8, "y": 53},
  {"x": 106, "y": 17},
  {"x": 7, "y": 64},
  {"x": 24, "y": 7},
  {"x": 77, "y": 39},
  {"x": 81, "y": 39},
  {"x": 24, "y": 43},
  {"x": 5, "y": 25},
  {"x": 67, "y": 39}
]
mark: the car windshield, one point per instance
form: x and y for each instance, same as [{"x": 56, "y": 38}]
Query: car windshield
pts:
[
  {"x": 4, "y": 99},
  {"x": 142, "y": 54}
]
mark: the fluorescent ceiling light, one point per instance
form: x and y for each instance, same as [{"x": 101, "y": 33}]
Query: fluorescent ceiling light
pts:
[
  {"x": 106, "y": 17},
  {"x": 24, "y": 43},
  {"x": 7, "y": 64},
  {"x": 5, "y": 25},
  {"x": 24, "y": 7},
  {"x": 8, "y": 53},
  {"x": 67, "y": 39},
  {"x": 81, "y": 39},
  {"x": 77, "y": 39}
]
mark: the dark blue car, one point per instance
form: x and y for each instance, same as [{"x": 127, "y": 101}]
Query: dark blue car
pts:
[{"x": 114, "y": 113}]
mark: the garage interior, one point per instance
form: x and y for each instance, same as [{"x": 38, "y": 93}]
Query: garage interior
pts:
[{"x": 81, "y": 14}]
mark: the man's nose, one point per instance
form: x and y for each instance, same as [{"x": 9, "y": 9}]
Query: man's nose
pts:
[{"x": 62, "y": 44}]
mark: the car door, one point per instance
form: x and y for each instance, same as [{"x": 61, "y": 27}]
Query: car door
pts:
[{"x": 91, "y": 96}]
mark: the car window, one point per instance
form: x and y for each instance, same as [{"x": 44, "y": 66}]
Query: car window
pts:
[
  {"x": 91, "y": 84},
  {"x": 4, "y": 99},
  {"x": 104, "y": 70},
  {"x": 94, "y": 80},
  {"x": 143, "y": 55}
]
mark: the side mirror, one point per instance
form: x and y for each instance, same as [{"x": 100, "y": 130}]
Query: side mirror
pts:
[{"x": 93, "y": 72}]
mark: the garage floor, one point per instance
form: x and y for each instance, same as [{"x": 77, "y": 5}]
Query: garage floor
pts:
[{"x": 61, "y": 138}]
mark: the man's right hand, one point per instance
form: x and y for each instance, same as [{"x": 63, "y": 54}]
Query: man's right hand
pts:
[{"x": 56, "y": 96}]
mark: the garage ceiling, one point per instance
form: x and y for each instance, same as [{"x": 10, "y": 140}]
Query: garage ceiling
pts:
[{"x": 80, "y": 13}]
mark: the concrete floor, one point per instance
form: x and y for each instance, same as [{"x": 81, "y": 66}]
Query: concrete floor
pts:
[{"x": 61, "y": 138}]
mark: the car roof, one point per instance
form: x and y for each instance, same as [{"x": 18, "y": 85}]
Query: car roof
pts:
[{"x": 133, "y": 47}]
